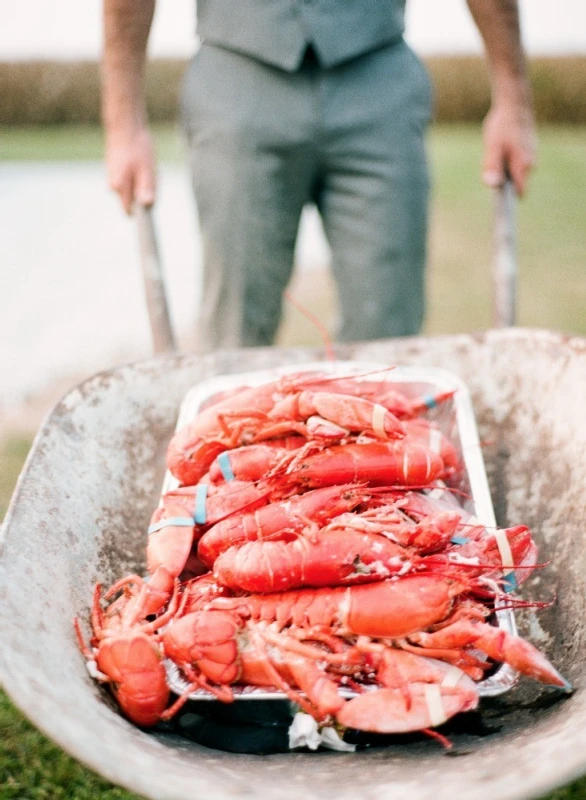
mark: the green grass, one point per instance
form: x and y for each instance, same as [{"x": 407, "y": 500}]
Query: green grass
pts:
[
  {"x": 12, "y": 455},
  {"x": 552, "y": 294},
  {"x": 32, "y": 768}
]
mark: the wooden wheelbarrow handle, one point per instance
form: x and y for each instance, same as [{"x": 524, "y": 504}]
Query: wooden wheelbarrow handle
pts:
[
  {"x": 154, "y": 283},
  {"x": 504, "y": 272}
]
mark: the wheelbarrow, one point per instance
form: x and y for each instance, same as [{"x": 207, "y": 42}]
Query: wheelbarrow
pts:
[{"x": 84, "y": 500}]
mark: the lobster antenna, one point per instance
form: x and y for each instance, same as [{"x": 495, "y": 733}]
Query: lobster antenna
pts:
[
  {"x": 459, "y": 492},
  {"x": 328, "y": 347},
  {"x": 244, "y": 507},
  {"x": 398, "y": 487}
]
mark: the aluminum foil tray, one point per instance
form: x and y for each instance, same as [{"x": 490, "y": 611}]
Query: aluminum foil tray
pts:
[{"x": 455, "y": 418}]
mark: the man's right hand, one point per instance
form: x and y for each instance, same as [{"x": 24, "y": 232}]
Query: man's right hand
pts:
[
  {"x": 130, "y": 155},
  {"x": 131, "y": 166}
]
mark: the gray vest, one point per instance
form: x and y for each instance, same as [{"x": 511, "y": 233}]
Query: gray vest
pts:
[{"x": 279, "y": 31}]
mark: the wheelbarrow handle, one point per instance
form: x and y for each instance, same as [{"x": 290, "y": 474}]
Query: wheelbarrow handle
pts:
[
  {"x": 504, "y": 272},
  {"x": 154, "y": 283}
]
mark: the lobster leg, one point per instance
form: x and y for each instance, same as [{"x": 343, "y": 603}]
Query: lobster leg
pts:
[
  {"x": 197, "y": 681},
  {"x": 319, "y": 687},
  {"x": 429, "y": 535},
  {"x": 466, "y": 662},
  {"x": 499, "y": 645},
  {"x": 275, "y": 677},
  {"x": 355, "y": 414}
]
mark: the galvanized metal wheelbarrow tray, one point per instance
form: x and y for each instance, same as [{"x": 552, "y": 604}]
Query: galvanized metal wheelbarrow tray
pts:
[
  {"x": 83, "y": 502},
  {"x": 92, "y": 478}
]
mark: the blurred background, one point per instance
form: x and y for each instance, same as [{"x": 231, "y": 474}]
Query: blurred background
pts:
[{"x": 72, "y": 299}]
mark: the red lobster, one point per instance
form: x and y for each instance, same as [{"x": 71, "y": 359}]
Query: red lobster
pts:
[
  {"x": 126, "y": 654},
  {"x": 216, "y": 649},
  {"x": 338, "y": 556},
  {"x": 394, "y": 609},
  {"x": 282, "y": 520},
  {"x": 255, "y": 413},
  {"x": 230, "y": 424},
  {"x": 404, "y": 463}
]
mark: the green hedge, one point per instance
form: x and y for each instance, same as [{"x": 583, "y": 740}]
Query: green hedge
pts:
[
  {"x": 52, "y": 92},
  {"x": 36, "y": 92},
  {"x": 462, "y": 92}
]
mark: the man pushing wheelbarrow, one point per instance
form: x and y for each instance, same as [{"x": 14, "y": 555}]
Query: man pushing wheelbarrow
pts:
[{"x": 289, "y": 102}]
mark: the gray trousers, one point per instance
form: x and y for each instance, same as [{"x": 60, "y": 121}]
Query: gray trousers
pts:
[{"x": 264, "y": 142}]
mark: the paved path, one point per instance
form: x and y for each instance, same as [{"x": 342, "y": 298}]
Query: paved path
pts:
[{"x": 71, "y": 299}]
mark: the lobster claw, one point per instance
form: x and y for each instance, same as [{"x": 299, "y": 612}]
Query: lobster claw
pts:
[
  {"x": 499, "y": 645},
  {"x": 385, "y": 710}
]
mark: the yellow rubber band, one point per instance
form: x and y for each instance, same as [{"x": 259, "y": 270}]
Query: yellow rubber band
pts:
[
  {"x": 435, "y": 704},
  {"x": 379, "y": 414},
  {"x": 452, "y": 676},
  {"x": 504, "y": 550}
]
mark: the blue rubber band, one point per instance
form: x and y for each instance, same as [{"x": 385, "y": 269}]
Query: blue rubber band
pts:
[
  {"x": 201, "y": 494},
  {"x": 459, "y": 540},
  {"x": 225, "y": 466},
  {"x": 429, "y": 401},
  {"x": 181, "y": 522},
  {"x": 510, "y": 582}
]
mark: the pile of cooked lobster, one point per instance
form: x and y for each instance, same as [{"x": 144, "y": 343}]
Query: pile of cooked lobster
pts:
[{"x": 316, "y": 544}]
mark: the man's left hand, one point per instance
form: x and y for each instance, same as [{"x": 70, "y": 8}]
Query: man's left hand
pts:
[{"x": 509, "y": 142}]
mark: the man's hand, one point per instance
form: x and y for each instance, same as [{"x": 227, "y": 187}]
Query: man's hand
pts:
[
  {"x": 509, "y": 145},
  {"x": 130, "y": 162},
  {"x": 130, "y": 156},
  {"x": 509, "y": 132}
]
